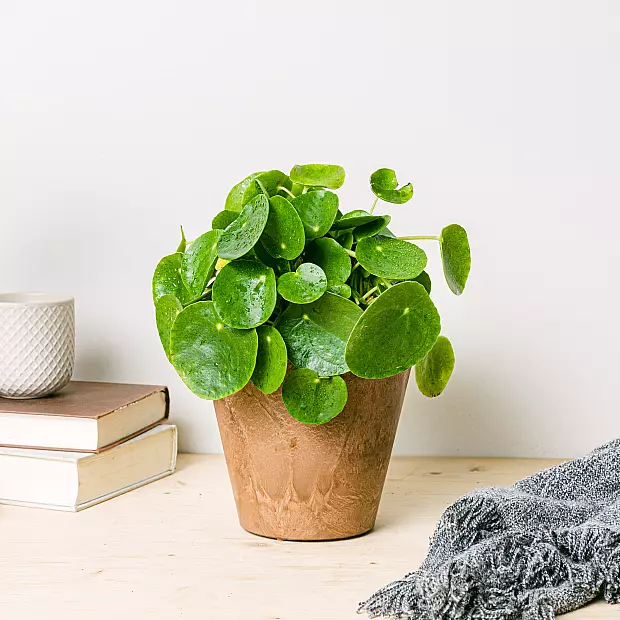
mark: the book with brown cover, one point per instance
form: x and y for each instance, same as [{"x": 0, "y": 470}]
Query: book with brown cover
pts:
[{"x": 86, "y": 416}]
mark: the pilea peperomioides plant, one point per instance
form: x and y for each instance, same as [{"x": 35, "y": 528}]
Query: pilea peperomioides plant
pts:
[{"x": 286, "y": 276}]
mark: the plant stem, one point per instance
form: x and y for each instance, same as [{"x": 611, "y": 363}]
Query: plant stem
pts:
[
  {"x": 374, "y": 289},
  {"x": 355, "y": 267},
  {"x": 418, "y": 238},
  {"x": 289, "y": 192},
  {"x": 386, "y": 282},
  {"x": 374, "y": 204},
  {"x": 350, "y": 253}
]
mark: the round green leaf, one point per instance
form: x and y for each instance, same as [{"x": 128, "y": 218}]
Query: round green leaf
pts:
[
  {"x": 373, "y": 228},
  {"x": 167, "y": 279},
  {"x": 166, "y": 311},
  {"x": 331, "y": 257},
  {"x": 425, "y": 280},
  {"x": 198, "y": 263},
  {"x": 323, "y": 175},
  {"x": 316, "y": 334},
  {"x": 391, "y": 258},
  {"x": 384, "y": 184},
  {"x": 339, "y": 288},
  {"x": 317, "y": 211},
  {"x": 223, "y": 219},
  {"x": 283, "y": 236},
  {"x": 303, "y": 286},
  {"x": 271, "y": 361},
  {"x": 433, "y": 371},
  {"x": 213, "y": 360},
  {"x": 311, "y": 399},
  {"x": 241, "y": 236},
  {"x": 242, "y": 193},
  {"x": 279, "y": 265},
  {"x": 456, "y": 257},
  {"x": 244, "y": 293},
  {"x": 247, "y": 189},
  {"x": 274, "y": 179},
  {"x": 397, "y": 330}
]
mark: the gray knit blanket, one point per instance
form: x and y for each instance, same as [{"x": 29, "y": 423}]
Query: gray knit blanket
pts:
[{"x": 545, "y": 546}]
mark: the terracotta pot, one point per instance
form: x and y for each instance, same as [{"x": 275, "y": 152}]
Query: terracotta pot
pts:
[{"x": 295, "y": 481}]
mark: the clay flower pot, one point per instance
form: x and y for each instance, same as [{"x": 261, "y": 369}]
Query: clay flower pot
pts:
[{"x": 294, "y": 481}]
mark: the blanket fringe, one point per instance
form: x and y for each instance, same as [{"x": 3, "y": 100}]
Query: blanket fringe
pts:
[{"x": 534, "y": 576}]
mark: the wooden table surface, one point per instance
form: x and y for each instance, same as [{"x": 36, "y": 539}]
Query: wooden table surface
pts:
[{"x": 173, "y": 549}]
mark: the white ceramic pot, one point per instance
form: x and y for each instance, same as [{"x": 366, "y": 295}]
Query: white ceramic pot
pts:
[{"x": 37, "y": 344}]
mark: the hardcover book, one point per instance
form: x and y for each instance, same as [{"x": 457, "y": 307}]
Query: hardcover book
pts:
[
  {"x": 72, "y": 481},
  {"x": 85, "y": 416}
]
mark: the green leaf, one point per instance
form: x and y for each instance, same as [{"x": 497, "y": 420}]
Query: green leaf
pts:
[
  {"x": 322, "y": 175},
  {"x": 316, "y": 334},
  {"x": 167, "y": 279},
  {"x": 213, "y": 360},
  {"x": 244, "y": 293},
  {"x": 433, "y": 371},
  {"x": 391, "y": 258},
  {"x": 241, "y": 236},
  {"x": 247, "y": 189},
  {"x": 456, "y": 257},
  {"x": 271, "y": 361},
  {"x": 166, "y": 311},
  {"x": 346, "y": 240},
  {"x": 283, "y": 236},
  {"x": 317, "y": 211},
  {"x": 397, "y": 330},
  {"x": 223, "y": 219},
  {"x": 351, "y": 221},
  {"x": 297, "y": 189},
  {"x": 373, "y": 228},
  {"x": 273, "y": 179},
  {"x": 241, "y": 193},
  {"x": 330, "y": 256},
  {"x": 303, "y": 286},
  {"x": 279, "y": 265},
  {"x": 425, "y": 280},
  {"x": 384, "y": 184},
  {"x": 313, "y": 400},
  {"x": 198, "y": 263},
  {"x": 339, "y": 288},
  {"x": 183, "y": 242}
]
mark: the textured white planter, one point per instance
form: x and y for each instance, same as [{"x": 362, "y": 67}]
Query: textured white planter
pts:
[{"x": 37, "y": 344}]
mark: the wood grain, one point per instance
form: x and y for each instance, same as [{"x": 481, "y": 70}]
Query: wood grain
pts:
[
  {"x": 174, "y": 550},
  {"x": 295, "y": 481}
]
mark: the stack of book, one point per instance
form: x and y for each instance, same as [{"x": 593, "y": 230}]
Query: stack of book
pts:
[{"x": 84, "y": 445}]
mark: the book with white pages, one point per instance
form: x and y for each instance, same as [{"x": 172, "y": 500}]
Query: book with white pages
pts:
[{"x": 72, "y": 481}]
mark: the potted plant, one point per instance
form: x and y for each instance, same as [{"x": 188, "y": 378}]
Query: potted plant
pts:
[{"x": 302, "y": 323}]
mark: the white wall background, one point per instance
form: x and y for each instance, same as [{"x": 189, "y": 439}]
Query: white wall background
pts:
[{"x": 120, "y": 120}]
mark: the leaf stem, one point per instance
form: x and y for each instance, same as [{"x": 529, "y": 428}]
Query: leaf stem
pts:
[
  {"x": 386, "y": 282},
  {"x": 374, "y": 289},
  {"x": 374, "y": 204},
  {"x": 418, "y": 238},
  {"x": 355, "y": 267},
  {"x": 289, "y": 192},
  {"x": 350, "y": 253}
]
